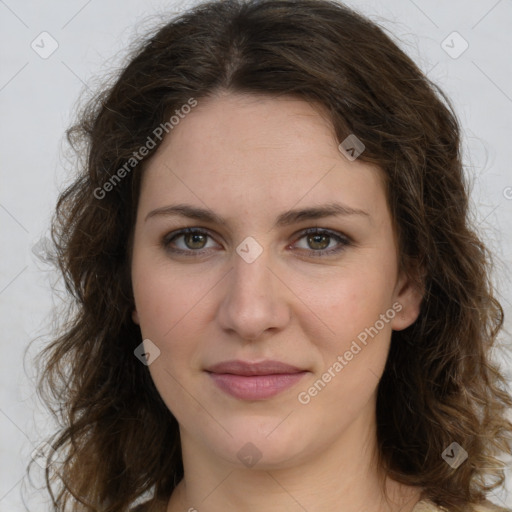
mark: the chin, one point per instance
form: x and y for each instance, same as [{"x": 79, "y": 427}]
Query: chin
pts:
[{"x": 262, "y": 446}]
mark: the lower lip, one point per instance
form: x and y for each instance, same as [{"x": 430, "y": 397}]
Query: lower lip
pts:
[{"x": 255, "y": 387}]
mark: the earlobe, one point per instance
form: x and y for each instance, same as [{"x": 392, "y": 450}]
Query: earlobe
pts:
[
  {"x": 135, "y": 317},
  {"x": 410, "y": 296}
]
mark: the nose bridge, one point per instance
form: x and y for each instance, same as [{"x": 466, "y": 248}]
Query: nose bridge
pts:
[
  {"x": 250, "y": 269},
  {"x": 252, "y": 302}
]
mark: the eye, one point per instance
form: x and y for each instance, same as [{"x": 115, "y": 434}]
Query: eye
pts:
[
  {"x": 322, "y": 242},
  {"x": 193, "y": 240}
]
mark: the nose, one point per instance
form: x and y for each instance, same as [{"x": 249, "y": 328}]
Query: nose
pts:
[{"x": 255, "y": 300}]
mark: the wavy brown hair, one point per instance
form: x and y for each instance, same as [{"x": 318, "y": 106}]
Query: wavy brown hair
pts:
[{"x": 118, "y": 442}]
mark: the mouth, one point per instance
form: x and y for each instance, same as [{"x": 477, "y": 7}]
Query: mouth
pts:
[{"x": 254, "y": 381}]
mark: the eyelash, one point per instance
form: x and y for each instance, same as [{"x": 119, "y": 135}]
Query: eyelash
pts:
[{"x": 343, "y": 240}]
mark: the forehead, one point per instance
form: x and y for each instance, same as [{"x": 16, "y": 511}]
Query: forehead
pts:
[{"x": 275, "y": 151}]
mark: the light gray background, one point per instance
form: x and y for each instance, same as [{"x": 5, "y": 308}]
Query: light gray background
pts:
[{"x": 38, "y": 97}]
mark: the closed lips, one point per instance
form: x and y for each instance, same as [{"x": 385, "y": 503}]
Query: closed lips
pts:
[
  {"x": 254, "y": 381},
  {"x": 237, "y": 367}
]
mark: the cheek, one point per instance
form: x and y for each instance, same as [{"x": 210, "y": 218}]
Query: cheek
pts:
[
  {"x": 352, "y": 302},
  {"x": 164, "y": 298},
  {"x": 174, "y": 309},
  {"x": 168, "y": 306},
  {"x": 354, "y": 354},
  {"x": 156, "y": 305}
]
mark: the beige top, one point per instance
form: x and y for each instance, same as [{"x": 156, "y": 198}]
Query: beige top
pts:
[
  {"x": 428, "y": 506},
  {"x": 421, "y": 506}
]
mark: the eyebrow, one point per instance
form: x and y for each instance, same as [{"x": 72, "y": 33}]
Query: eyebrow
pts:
[{"x": 285, "y": 219}]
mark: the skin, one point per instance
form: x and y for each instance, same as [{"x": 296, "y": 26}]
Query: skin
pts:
[{"x": 250, "y": 158}]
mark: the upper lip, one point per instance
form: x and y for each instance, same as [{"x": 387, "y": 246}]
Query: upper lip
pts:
[{"x": 268, "y": 367}]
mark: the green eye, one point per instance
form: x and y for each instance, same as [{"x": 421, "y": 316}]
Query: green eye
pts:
[
  {"x": 319, "y": 240},
  {"x": 193, "y": 242}
]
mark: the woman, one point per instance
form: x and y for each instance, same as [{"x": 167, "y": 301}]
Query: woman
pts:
[{"x": 280, "y": 303}]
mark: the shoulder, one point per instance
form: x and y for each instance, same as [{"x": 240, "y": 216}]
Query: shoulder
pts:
[
  {"x": 487, "y": 506},
  {"x": 422, "y": 506}
]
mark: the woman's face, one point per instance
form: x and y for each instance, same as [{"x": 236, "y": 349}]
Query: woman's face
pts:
[{"x": 292, "y": 260}]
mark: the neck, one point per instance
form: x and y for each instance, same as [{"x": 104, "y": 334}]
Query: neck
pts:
[{"x": 343, "y": 476}]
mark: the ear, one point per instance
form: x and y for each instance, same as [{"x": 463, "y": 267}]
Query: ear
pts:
[
  {"x": 407, "y": 296},
  {"x": 135, "y": 317}
]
